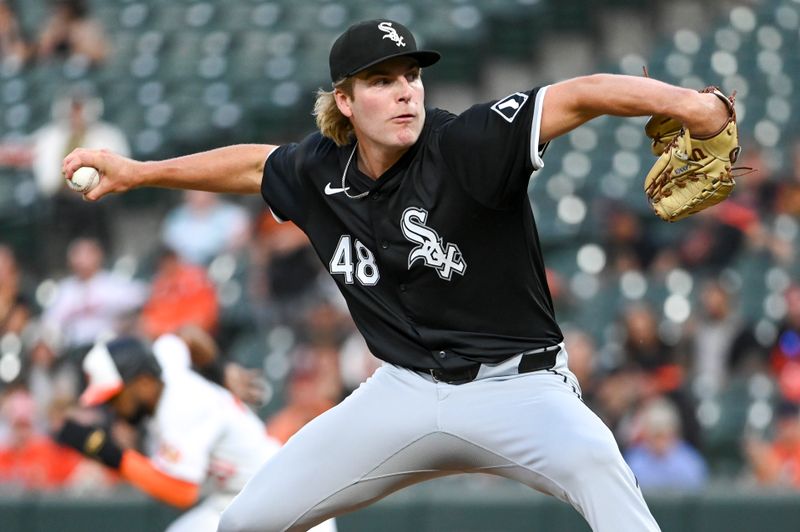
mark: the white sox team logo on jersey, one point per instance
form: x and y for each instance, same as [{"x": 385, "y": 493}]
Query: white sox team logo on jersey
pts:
[
  {"x": 445, "y": 259},
  {"x": 391, "y": 33},
  {"x": 509, "y": 106}
]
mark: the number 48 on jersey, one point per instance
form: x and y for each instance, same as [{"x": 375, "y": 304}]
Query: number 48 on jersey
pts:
[{"x": 364, "y": 268}]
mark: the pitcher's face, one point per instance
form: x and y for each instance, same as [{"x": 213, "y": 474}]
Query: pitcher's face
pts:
[{"x": 387, "y": 106}]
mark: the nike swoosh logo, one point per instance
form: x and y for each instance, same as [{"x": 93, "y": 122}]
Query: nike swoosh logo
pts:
[{"x": 330, "y": 191}]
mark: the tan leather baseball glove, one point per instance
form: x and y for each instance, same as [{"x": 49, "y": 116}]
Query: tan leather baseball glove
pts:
[{"x": 691, "y": 173}]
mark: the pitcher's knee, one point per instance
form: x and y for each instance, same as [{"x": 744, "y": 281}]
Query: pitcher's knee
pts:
[{"x": 592, "y": 457}]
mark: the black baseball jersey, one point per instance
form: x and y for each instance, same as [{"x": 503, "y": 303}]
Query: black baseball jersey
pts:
[{"x": 440, "y": 263}]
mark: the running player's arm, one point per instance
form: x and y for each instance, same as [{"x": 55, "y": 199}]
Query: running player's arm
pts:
[
  {"x": 570, "y": 103},
  {"x": 233, "y": 169},
  {"x": 96, "y": 443},
  {"x": 142, "y": 473}
]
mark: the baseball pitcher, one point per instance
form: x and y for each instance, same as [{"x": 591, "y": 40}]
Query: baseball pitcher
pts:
[{"x": 423, "y": 220}]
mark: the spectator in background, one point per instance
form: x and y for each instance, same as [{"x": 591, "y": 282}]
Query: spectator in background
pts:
[
  {"x": 204, "y": 226},
  {"x": 92, "y": 301},
  {"x": 617, "y": 397},
  {"x": 710, "y": 243},
  {"x": 788, "y": 195},
  {"x": 314, "y": 386},
  {"x": 777, "y": 462},
  {"x": 752, "y": 209},
  {"x": 785, "y": 352},
  {"x": 29, "y": 459},
  {"x": 713, "y": 333},
  {"x": 50, "y": 376},
  {"x": 662, "y": 460},
  {"x": 181, "y": 294},
  {"x": 287, "y": 270},
  {"x": 15, "y": 305},
  {"x": 755, "y": 192},
  {"x": 75, "y": 122},
  {"x": 13, "y": 44},
  {"x": 71, "y": 31},
  {"x": 645, "y": 349},
  {"x": 661, "y": 365},
  {"x": 327, "y": 326},
  {"x": 748, "y": 356},
  {"x": 628, "y": 244}
]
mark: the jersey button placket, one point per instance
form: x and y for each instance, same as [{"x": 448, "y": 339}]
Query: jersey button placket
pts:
[{"x": 384, "y": 244}]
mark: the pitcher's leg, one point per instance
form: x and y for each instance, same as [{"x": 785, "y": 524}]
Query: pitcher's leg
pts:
[
  {"x": 201, "y": 518},
  {"x": 357, "y": 452},
  {"x": 554, "y": 443},
  {"x": 589, "y": 468}
]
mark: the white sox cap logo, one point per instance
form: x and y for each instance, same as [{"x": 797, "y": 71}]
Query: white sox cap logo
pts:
[
  {"x": 431, "y": 250},
  {"x": 391, "y": 33}
]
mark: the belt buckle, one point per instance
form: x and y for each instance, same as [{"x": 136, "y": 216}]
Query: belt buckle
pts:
[{"x": 438, "y": 376}]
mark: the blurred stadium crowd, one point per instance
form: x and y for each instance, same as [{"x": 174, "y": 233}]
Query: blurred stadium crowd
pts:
[{"x": 685, "y": 337}]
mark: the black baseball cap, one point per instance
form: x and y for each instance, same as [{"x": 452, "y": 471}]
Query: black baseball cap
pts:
[
  {"x": 108, "y": 366},
  {"x": 369, "y": 42}
]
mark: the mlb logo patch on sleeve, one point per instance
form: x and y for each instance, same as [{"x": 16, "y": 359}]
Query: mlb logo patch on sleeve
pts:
[{"x": 509, "y": 106}]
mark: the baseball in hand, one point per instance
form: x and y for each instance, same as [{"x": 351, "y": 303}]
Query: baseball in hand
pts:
[{"x": 84, "y": 179}]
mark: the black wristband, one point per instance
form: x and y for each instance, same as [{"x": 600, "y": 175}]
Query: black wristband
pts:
[{"x": 93, "y": 442}]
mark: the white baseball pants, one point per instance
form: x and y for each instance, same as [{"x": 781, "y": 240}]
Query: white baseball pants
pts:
[
  {"x": 401, "y": 427},
  {"x": 205, "y": 517}
]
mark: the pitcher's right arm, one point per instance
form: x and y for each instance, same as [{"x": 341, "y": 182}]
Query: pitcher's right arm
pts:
[{"x": 233, "y": 169}]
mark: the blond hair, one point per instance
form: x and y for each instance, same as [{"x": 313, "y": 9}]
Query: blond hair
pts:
[{"x": 330, "y": 120}]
